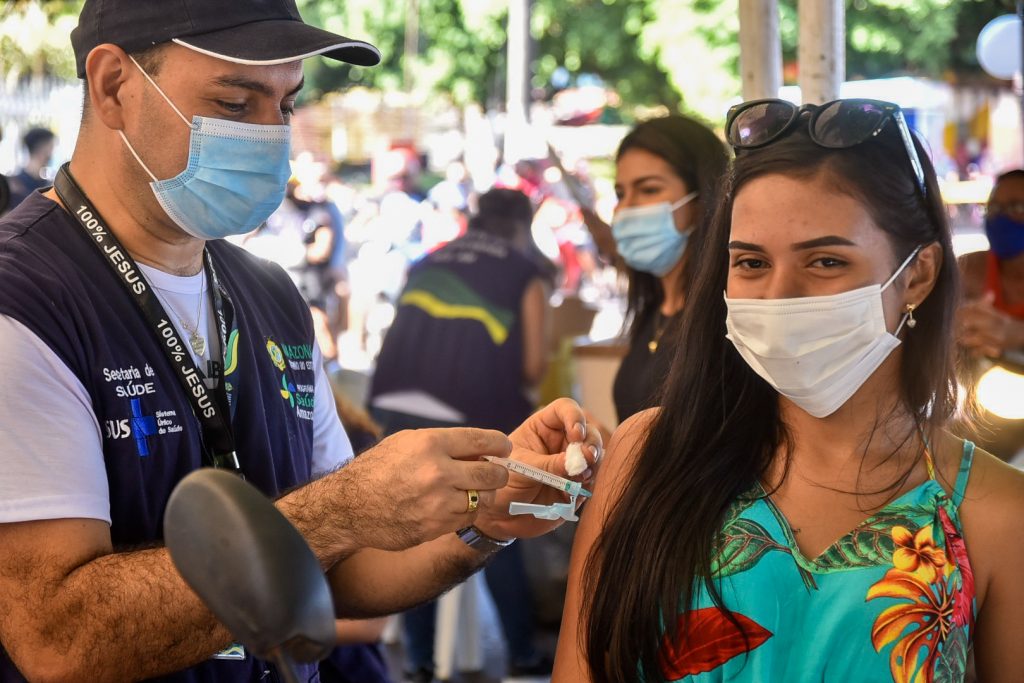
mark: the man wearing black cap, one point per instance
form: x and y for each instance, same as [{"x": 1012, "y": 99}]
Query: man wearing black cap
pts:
[{"x": 138, "y": 346}]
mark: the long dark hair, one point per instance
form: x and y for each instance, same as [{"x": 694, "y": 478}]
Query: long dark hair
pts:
[
  {"x": 720, "y": 427},
  {"x": 698, "y": 157}
]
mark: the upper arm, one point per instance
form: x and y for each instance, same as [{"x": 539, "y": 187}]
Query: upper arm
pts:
[
  {"x": 52, "y": 450},
  {"x": 616, "y": 466},
  {"x": 993, "y": 517},
  {"x": 331, "y": 445},
  {"x": 35, "y": 559},
  {"x": 535, "y": 315}
]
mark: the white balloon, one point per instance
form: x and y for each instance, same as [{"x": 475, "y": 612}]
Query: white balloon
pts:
[{"x": 999, "y": 46}]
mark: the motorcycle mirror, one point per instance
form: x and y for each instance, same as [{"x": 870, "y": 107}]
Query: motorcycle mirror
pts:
[{"x": 251, "y": 567}]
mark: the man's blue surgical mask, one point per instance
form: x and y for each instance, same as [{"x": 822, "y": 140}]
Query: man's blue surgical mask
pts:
[
  {"x": 647, "y": 238},
  {"x": 235, "y": 177},
  {"x": 1005, "y": 236}
]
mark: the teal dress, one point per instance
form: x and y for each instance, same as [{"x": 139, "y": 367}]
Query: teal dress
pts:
[{"x": 893, "y": 600}]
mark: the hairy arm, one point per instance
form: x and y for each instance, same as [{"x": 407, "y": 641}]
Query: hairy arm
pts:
[
  {"x": 571, "y": 656},
  {"x": 72, "y": 609}
]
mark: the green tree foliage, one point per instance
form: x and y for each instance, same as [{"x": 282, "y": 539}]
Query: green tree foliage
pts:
[
  {"x": 605, "y": 38},
  {"x": 457, "y": 55},
  {"x": 461, "y": 50},
  {"x": 668, "y": 52},
  {"x": 34, "y": 38}
]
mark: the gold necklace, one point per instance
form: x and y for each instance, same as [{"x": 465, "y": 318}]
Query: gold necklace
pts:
[
  {"x": 661, "y": 322},
  {"x": 195, "y": 340}
]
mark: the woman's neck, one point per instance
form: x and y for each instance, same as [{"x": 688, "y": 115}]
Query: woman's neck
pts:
[
  {"x": 673, "y": 295},
  {"x": 862, "y": 436}
]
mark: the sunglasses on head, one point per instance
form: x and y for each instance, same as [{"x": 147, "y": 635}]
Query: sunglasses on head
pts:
[{"x": 837, "y": 125}]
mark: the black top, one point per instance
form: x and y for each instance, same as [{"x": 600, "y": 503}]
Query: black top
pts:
[{"x": 642, "y": 372}]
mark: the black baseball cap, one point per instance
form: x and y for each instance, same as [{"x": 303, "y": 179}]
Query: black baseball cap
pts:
[{"x": 240, "y": 31}]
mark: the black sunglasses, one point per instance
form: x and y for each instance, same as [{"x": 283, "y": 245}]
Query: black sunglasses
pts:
[{"x": 837, "y": 124}]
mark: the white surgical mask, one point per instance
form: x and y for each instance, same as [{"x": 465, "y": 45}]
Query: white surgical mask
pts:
[{"x": 816, "y": 350}]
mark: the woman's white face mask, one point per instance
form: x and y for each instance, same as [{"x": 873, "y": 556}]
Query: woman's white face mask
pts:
[{"x": 816, "y": 351}]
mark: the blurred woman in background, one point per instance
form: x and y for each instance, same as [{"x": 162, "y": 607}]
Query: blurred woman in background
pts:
[{"x": 667, "y": 176}]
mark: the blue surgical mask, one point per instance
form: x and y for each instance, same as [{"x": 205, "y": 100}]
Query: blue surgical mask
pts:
[
  {"x": 235, "y": 177},
  {"x": 1005, "y": 236},
  {"x": 647, "y": 238}
]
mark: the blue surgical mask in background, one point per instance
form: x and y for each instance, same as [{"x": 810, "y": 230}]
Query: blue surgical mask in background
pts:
[
  {"x": 647, "y": 238},
  {"x": 234, "y": 180},
  {"x": 1005, "y": 236}
]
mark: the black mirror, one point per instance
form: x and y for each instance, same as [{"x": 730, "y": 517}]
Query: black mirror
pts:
[{"x": 251, "y": 567}]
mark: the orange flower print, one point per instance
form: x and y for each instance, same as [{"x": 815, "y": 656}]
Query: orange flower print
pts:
[
  {"x": 916, "y": 553},
  {"x": 913, "y": 628}
]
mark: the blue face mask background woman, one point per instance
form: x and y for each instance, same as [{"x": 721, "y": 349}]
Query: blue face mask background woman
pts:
[{"x": 647, "y": 236}]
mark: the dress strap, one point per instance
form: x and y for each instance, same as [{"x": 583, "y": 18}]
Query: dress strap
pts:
[
  {"x": 965, "y": 472},
  {"x": 929, "y": 462}
]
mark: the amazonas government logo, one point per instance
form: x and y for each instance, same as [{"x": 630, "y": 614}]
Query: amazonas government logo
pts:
[{"x": 276, "y": 356}]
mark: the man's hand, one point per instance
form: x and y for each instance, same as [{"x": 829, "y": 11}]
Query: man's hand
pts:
[
  {"x": 541, "y": 441},
  {"x": 987, "y": 331},
  {"x": 409, "y": 489}
]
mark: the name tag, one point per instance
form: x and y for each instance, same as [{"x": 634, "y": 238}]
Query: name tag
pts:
[{"x": 234, "y": 652}]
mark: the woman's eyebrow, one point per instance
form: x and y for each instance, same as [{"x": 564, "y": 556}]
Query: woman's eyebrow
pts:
[
  {"x": 746, "y": 246},
  {"x": 826, "y": 241}
]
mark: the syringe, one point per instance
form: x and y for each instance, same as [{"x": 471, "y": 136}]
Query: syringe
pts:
[{"x": 573, "y": 488}]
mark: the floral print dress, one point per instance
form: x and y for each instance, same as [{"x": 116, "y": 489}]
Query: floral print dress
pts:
[{"x": 892, "y": 600}]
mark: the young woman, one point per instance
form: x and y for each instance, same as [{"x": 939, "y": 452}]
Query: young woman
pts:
[
  {"x": 796, "y": 510},
  {"x": 667, "y": 175}
]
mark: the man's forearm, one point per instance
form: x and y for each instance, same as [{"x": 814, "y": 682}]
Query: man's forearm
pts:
[
  {"x": 123, "y": 616},
  {"x": 377, "y": 582},
  {"x": 327, "y": 514}
]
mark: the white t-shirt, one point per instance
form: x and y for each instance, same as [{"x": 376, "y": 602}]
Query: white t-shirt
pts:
[{"x": 51, "y": 446}]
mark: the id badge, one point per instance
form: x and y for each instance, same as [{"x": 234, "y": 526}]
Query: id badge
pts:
[{"x": 234, "y": 652}]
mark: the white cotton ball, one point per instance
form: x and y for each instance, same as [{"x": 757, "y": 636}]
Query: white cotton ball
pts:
[{"x": 575, "y": 462}]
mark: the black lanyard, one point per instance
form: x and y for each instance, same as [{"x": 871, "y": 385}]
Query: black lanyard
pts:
[{"x": 209, "y": 408}]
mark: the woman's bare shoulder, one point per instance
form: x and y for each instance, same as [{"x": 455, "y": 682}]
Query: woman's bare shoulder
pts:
[
  {"x": 630, "y": 436},
  {"x": 992, "y": 514},
  {"x": 622, "y": 452}
]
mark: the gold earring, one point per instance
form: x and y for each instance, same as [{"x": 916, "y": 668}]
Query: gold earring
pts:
[{"x": 911, "y": 323}]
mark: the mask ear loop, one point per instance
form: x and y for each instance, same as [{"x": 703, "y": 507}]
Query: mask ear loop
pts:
[
  {"x": 168, "y": 100},
  {"x": 684, "y": 201},
  {"x": 162, "y": 94},
  {"x": 888, "y": 282}
]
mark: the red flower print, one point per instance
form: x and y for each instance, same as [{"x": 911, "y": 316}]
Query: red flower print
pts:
[
  {"x": 963, "y": 611},
  {"x": 708, "y": 640}
]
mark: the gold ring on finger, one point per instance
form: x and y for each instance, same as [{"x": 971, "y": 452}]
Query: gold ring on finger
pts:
[{"x": 473, "y": 501}]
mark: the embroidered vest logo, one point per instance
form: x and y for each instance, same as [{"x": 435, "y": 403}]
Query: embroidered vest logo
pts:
[{"x": 291, "y": 359}]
